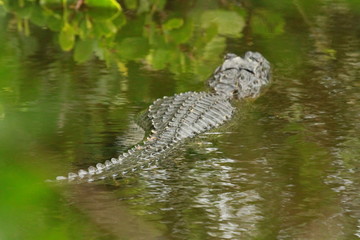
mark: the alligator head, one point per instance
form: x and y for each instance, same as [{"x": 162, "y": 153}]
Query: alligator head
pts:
[{"x": 241, "y": 77}]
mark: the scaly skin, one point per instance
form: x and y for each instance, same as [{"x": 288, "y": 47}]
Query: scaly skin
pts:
[{"x": 183, "y": 116}]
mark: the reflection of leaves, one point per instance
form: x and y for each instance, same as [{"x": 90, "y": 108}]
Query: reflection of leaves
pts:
[
  {"x": 228, "y": 23},
  {"x": 183, "y": 34},
  {"x": 159, "y": 58},
  {"x": 133, "y": 48},
  {"x": 214, "y": 48},
  {"x": 67, "y": 37},
  {"x": 83, "y": 50},
  {"x": 350, "y": 153},
  {"x": 267, "y": 23}
]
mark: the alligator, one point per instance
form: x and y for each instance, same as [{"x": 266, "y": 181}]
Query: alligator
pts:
[{"x": 175, "y": 119}]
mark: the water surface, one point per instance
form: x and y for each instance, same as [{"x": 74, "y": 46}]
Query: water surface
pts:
[{"x": 71, "y": 82}]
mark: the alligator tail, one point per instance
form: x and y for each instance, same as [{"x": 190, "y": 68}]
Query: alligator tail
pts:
[{"x": 139, "y": 157}]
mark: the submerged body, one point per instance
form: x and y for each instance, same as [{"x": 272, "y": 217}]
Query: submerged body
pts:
[{"x": 175, "y": 119}]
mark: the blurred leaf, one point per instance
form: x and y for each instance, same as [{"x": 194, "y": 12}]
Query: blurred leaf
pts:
[
  {"x": 22, "y": 8},
  {"x": 133, "y": 48},
  {"x": 147, "y": 5},
  {"x": 157, "y": 4},
  {"x": 131, "y": 4},
  {"x": 67, "y": 37},
  {"x": 160, "y": 4},
  {"x": 119, "y": 21},
  {"x": 83, "y": 50},
  {"x": 103, "y": 4},
  {"x": 210, "y": 33},
  {"x": 38, "y": 16},
  {"x": 144, "y": 6},
  {"x": 104, "y": 9},
  {"x": 173, "y": 23},
  {"x": 51, "y": 4},
  {"x": 54, "y": 23},
  {"x": 228, "y": 23},
  {"x": 104, "y": 28},
  {"x": 267, "y": 23}
]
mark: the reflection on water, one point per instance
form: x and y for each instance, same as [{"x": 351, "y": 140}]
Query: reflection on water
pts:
[{"x": 287, "y": 167}]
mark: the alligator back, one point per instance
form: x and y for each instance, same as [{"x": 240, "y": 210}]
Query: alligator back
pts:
[
  {"x": 174, "y": 119},
  {"x": 183, "y": 116}
]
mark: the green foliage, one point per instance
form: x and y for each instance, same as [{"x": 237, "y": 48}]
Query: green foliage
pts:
[{"x": 101, "y": 28}]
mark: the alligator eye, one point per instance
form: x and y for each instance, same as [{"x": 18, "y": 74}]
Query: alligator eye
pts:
[
  {"x": 248, "y": 70},
  {"x": 230, "y": 68}
]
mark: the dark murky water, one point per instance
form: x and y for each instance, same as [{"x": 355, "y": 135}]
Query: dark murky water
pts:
[{"x": 287, "y": 167}]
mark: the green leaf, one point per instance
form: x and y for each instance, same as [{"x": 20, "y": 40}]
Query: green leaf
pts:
[
  {"x": 104, "y": 9},
  {"x": 83, "y": 50},
  {"x": 67, "y": 37},
  {"x": 173, "y": 23},
  {"x": 133, "y": 48},
  {"x": 103, "y": 4},
  {"x": 228, "y": 23}
]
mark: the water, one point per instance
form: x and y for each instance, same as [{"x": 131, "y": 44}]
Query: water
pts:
[{"x": 286, "y": 167}]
